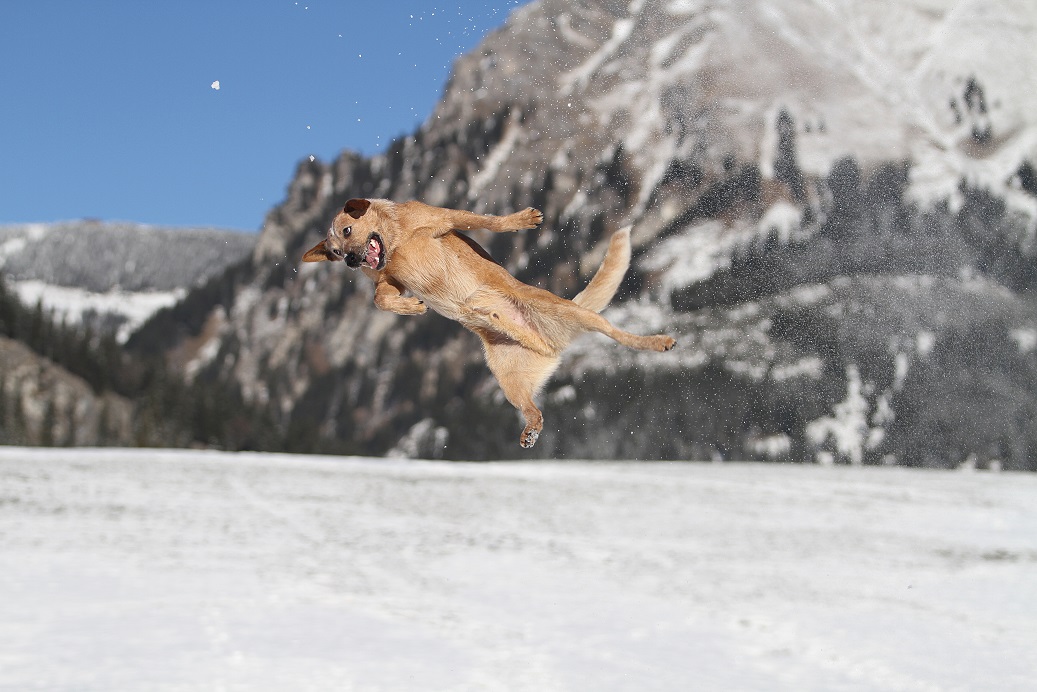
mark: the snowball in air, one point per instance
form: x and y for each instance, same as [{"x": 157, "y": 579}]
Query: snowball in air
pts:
[{"x": 216, "y": 85}]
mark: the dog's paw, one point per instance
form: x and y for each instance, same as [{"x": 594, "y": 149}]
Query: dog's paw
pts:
[
  {"x": 410, "y": 306},
  {"x": 661, "y": 342},
  {"x": 529, "y": 437},
  {"x": 527, "y": 218}
]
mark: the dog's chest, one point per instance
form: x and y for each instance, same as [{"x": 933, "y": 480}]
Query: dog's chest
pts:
[{"x": 437, "y": 275}]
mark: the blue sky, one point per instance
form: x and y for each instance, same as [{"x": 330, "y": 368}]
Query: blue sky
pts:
[{"x": 107, "y": 108}]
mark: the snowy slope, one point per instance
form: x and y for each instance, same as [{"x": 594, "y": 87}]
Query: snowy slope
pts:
[
  {"x": 940, "y": 82},
  {"x": 115, "y": 274},
  {"x": 135, "y": 569},
  {"x": 70, "y": 305}
]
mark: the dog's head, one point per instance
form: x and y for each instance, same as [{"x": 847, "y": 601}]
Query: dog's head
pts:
[{"x": 356, "y": 237}]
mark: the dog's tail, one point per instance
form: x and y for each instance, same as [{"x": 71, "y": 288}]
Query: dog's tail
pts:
[{"x": 609, "y": 275}]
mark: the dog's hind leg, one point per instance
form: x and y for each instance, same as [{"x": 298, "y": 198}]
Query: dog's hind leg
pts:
[
  {"x": 560, "y": 320},
  {"x": 655, "y": 342},
  {"x": 521, "y": 373},
  {"x": 494, "y": 311}
]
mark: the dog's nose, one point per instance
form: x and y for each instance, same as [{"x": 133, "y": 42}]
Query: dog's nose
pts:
[{"x": 352, "y": 260}]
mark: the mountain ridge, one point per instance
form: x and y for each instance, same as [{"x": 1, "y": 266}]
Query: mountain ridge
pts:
[{"x": 113, "y": 275}]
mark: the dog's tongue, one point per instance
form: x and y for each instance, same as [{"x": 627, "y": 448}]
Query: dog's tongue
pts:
[{"x": 374, "y": 251}]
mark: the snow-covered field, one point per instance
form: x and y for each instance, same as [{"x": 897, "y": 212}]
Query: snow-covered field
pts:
[{"x": 155, "y": 570}]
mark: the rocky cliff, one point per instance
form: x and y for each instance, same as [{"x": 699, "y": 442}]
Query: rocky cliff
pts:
[
  {"x": 41, "y": 403},
  {"x": 834, "y": 210}
]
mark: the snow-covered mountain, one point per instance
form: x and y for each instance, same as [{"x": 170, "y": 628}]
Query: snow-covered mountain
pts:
[
  {"x": 115, "y": 275},
  {"x": 939, "y": 83},
  {"x": 834, "y": 209}
]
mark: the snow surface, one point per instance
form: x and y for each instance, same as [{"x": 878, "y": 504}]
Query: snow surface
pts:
[{"x": 174, "y": 570}]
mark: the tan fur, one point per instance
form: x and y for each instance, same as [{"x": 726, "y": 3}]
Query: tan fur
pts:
[{"x": 523, "y": 329}]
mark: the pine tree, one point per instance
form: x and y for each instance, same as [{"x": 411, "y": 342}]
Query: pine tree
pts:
[
  {"x": 49, "y": 423},
  {"x": 786, "y": 167}
]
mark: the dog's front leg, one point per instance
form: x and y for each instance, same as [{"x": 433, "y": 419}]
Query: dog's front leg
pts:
[
  {"x": 469, "y": 221},
  {"x": 388, "y": 296}
]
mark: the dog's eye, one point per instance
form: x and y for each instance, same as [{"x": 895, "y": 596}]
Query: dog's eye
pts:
[{"x": 346, "y": 231}]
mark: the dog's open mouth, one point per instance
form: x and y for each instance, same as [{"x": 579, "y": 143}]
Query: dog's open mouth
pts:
[{"x": 375, "y": 255}]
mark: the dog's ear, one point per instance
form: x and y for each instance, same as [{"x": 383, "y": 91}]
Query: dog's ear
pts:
[
  {"x": 317, "y": 253},
  {"x": 356, "y": 207}
]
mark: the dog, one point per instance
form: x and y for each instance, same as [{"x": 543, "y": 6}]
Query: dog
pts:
[{"x": 418, "y": 260}]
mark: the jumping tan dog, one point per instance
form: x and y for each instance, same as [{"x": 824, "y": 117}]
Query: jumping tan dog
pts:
[{"x": 413, "y": 247}]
